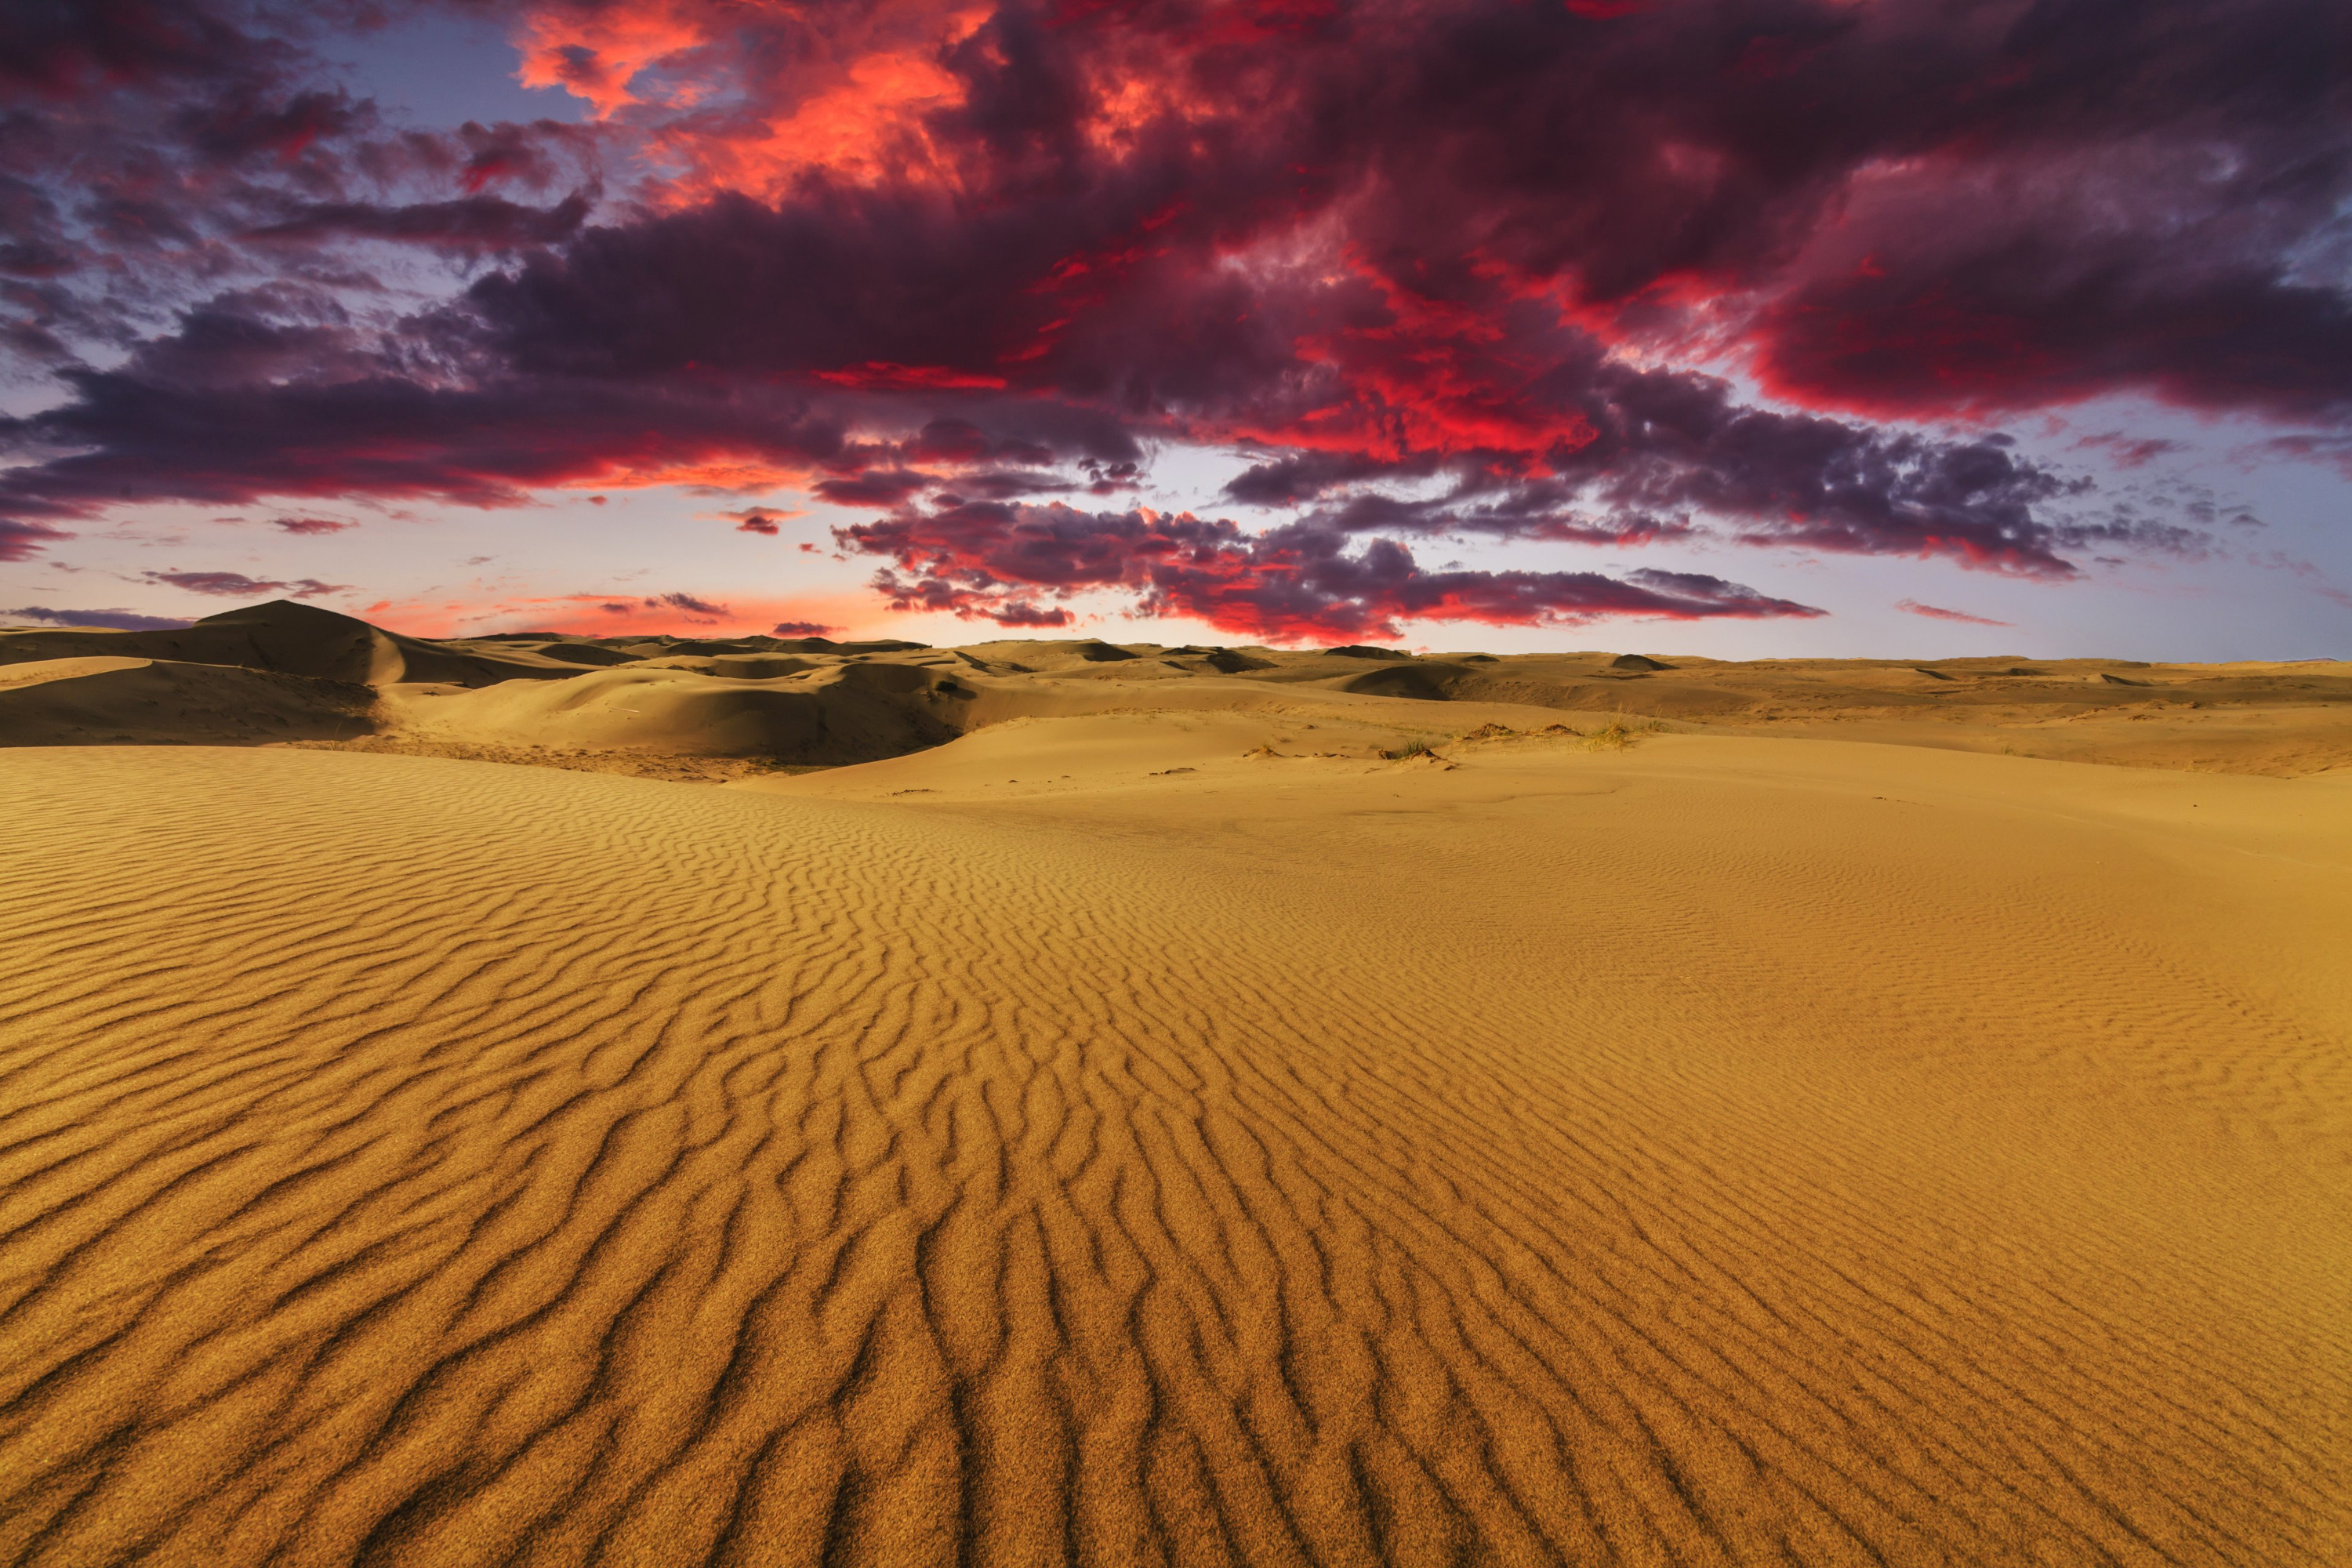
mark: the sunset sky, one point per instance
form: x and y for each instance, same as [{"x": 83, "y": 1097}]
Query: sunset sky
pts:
[{"x": 1880, "y": 327}]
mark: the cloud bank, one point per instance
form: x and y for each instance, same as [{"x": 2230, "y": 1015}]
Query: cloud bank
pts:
[{"x": 1490, "y": 271}]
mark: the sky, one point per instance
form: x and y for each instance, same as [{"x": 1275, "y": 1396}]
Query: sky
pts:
[{"x": 1743, "y": 328}]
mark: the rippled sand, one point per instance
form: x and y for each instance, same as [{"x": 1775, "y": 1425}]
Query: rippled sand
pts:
[{"x": 1722, "y": 1151}]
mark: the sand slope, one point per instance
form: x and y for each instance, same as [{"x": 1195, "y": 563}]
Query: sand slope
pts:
[
  {"x": 140, "y": 701},
  {"x": 290, "y": 638},
  {"x": 1725, "y": 1150},
  {"x": 790, "y": 709}
]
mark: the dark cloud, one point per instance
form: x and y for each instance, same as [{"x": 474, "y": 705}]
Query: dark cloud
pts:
[
  {"x": 469, "y": 223},
  {"x": 312, "y": 525},
  {"x": 702, "y": 612},
  {"x": 154, "y": 154},
  {"x": 1668, "y": 443},
  {"x": 57, "y": 49},
  {"x": 1656, "y": 449},
  {"x": 164, "y": 429},
  {"x": 1440, "y": 271},
  {"x": 535, "y": 156},
  {"x": 1005, "y": 484},
  {"x": 237, "y": 585},
  {"x": 249, "y": 123},
  {"x": 2048, "y": 320},
  {"x": 1017, "y": 615},
  {"x": 875, "y": 487},
  {"x": 760, "y": 519},
  {"x": 801, "y": 630},
  {"x": 1002, "y": 562},
  {"x": 117, "y": 620},
  {"x": 1298, "y": 477},
  {"x": 962, "y": 443}
]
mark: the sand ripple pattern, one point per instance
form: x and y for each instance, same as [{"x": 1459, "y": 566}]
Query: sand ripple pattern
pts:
[{"x": 409, "y": 1161}]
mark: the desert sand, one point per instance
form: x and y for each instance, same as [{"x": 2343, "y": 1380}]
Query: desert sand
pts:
[{"x": 1049, "y": 1102}]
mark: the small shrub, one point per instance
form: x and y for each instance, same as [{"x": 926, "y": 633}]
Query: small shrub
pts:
[{"x": 1617, "y": 734}]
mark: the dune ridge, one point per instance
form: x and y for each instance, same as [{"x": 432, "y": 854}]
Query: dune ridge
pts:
[{"x": 1727, "y": 1151}]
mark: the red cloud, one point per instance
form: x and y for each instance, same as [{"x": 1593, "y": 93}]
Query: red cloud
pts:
[
  {"x": 20, "y": 541},
  {"x": 999, "y": 563},
  {"x": 1912, "y": 606},
  {"x": 876, "y": 375},
  {"x": 882, "y": 251}
]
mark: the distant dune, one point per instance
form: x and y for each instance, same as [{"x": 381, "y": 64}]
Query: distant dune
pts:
[
  {"x": 654, "y": 705},
  {"x": 1166, "y": 1105}
]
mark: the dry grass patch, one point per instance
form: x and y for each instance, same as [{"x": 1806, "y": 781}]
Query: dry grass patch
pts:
[{"x": 1617, "y": 735}]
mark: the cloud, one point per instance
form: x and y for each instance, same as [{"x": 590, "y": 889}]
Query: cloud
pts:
[
  {"x": 469, "y": 223},
  {"x": 237, "y": 585},
  {"x": 20, "y": 540},
  {"x": 1913, "y": 607},
  {"x": 700, "y": 612},
  {"x": 2308, "y": 447},
  {"x": 213, "y": 430},
  {"x": 763, "y": 520},
  {"x": 59, "y": 51},
  {"x": 1473, "y": 270},
  {"x": 118, "y": 620},
  {"x": 876, "y": 487},
  {"x": 1298, "y": 477},
  {"x": 1004, "y": 562},
  {"x": 1005, "y": 484},
  {"x": 160, "y": 153},
  {"x": 313, "y": 525},
  {"x": 2165, "y": 263},
  {"x": 801, "y": 630},
  {"x": 2127, "y": 451}
]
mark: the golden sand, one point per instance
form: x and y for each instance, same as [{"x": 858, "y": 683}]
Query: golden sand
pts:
[{"x": 1135, "y": 1138}]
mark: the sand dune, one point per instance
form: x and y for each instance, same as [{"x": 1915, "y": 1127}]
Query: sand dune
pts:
[
  {"x": 1725, "y": 1150},
  {"x": 1068, "y": 1102},
  {"x": 750, "y": 705},
  {"x": 138, "y": 702},
  {"x": 290, "y": 638},
  {"x": 628, "y": 704}
]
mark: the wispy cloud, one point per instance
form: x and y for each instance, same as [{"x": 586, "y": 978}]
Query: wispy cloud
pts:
[{"x": 1913, "y": 607}]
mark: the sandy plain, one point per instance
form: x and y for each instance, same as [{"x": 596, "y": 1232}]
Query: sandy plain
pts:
[{"x": 1115, "y": 1111}]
